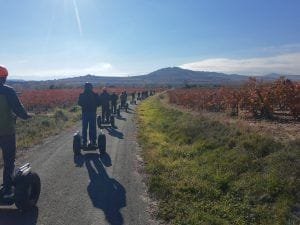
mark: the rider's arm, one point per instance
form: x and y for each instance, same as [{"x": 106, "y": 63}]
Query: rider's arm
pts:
[
  {"x": 16, "y": 105},
  {"x": 80, "y": 100}
]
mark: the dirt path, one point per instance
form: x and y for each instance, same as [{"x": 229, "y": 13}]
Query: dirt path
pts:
[{"x": 86, "y": 190}]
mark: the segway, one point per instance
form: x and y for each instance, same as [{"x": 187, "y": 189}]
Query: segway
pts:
[
  {"x": 106, "y": 123},
  {"x": 26, "y": 189},
  {"x": 101, "y": 142},
  {"x": 124, "y": 107}
]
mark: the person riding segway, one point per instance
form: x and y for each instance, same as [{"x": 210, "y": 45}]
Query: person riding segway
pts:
[
  {"x": 23, "y": 187},
  {"x": 89, "y": 101},
  {"x": 114, "y": 99},
  {"x": 133, "y": 98},
  {"x": 107, "y": 119},
  {"x": 123, "y": 99},
  {"x": 105, "y": 99}
]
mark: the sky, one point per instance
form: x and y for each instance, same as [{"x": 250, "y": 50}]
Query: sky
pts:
[{"x": 45, "y": 39}]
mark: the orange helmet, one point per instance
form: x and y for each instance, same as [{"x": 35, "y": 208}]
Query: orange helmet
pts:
[{"x": 3, "y": 71}]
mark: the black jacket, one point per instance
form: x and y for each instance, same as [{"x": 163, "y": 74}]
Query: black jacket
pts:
[
  {"x": 9, "y": 105},
  {"x": 104, "y": 99},
  {"x": 89, "y": 101},
  {"x": 114, "y": 98}
]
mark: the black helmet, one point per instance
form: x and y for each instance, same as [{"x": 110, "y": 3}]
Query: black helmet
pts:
[{"x": 88, "y": 86}]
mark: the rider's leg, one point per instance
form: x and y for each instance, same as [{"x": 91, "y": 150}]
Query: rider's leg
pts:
[
  {"x": 8, "y": 145},
  {"x": 84, "y": 128},
  {"x": 92, "y": 128},
  {"x": 103, "y": 114},
  {"x": 107, "y": 113}
]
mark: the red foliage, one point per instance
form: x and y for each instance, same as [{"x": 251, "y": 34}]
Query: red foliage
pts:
[
  {"x": 257, "y": 98},
  {"x": 43, "y": 100}
]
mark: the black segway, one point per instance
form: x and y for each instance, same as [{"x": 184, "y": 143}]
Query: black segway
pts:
[
  {"x": 26, "y": 188},
  {"x": 124, "y": 106},
  {"x": 101, "y": 142},
  {"x": 110, "y": 123}
]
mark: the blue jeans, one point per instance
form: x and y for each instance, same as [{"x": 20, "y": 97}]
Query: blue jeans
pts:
[
  {"x": 89, "y": 121},
  {"x": 8, "y": 146}
]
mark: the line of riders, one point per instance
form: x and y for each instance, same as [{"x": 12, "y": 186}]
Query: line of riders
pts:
[
  {"x": 89, "y": 101},
  {"x": 11, "y": 108}
]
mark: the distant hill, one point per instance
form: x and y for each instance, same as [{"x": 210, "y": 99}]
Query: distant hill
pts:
[
  {"x": 274, "y": 76},
  {"x": 171, "y": 76},
  {"x": 178, "y": 76}
]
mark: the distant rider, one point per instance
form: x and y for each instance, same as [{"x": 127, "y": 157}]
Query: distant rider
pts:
[
  {"x": 10, "y": 107},
  {"x": 114, "y": 99},
  {"x": 132, "y": 97},
  {"x": 89, "y": 101},
  {"x": 105, "y": 99},
  {"x": 123, "y": 99}
]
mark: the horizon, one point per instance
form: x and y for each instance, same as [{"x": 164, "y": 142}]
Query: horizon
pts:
[
  {"x": 59, "y": 39},
  {"x": 127, "y": 76}
]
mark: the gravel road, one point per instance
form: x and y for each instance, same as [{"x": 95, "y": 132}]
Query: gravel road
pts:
[{"x": 86, "y": 190}]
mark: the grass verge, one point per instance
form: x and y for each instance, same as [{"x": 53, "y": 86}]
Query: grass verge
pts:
[
  {"x": 33, "y": 131},
  {"x": 206, "y": 172}
]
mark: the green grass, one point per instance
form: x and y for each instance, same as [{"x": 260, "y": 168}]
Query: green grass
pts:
[
  {"x": 205, "y": 172},
  {"x": 33, "y": 131}
]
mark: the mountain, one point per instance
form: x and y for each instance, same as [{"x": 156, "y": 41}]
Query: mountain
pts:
[
  {"x": 171, "y": 76},
  {"x": 274, "y": 76},
  {"x": 178, "y": 76}
]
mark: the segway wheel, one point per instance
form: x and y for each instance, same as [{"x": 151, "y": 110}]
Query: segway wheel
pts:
[
  {"x": 102, "y": 143},
  {"x": 112, "y": 121},
  {"x": 126, "y": 107},
  {"x": 99, "y": 121},
  {"x": 27, "y": 191},
  {"x": 118, "y": 112},
  {"x": 77, "y": 144}
]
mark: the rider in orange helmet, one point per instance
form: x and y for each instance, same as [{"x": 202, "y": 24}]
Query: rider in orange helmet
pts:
[{"x": 10, "y": 107}]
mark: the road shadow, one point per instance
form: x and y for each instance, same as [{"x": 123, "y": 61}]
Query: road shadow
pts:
[
  {"x": 17, "y": 217},
  {"x": 78, "y": 160},
  {"x": 106, "y": 193},
  {"x": 121, "y": 118},
  {"x": 105, "y": 159},
  {"x": 114, "y": 133}
]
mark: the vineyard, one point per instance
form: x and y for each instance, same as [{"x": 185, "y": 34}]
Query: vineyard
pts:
[
  {"x": 44, "y": 100},
  {"x": 254, "y": 98}
]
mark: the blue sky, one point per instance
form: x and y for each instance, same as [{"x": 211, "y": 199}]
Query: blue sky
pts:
[{"x": 42, "y": 39}]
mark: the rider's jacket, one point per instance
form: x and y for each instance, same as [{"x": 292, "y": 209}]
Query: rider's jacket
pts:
[
  {"x": 10, "y": 107},
  {"x": 104, "y": 99},
  {"x": 114, "y": 98},
  {"x": 89, "y": 101}
]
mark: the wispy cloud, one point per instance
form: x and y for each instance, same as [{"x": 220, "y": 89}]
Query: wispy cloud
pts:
[
  {"x": 77, "y": 16},
  {"x": 284, "y": 64}
]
